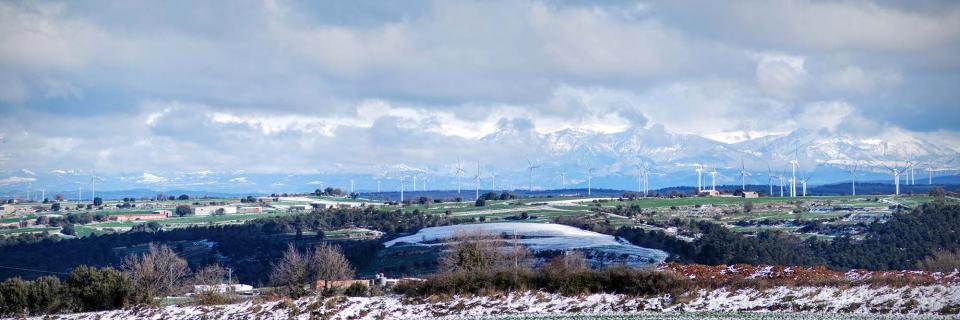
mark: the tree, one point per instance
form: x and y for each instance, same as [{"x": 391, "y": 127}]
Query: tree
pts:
[
  {"x": 210, "y": 275},
  {"x": 97, "y": 201},
  {"x": 290, "y": 272},
  {"x": 474, "y": 251},
  {"x": 183, "y": 197},
  {"x": 937, "y": 192},
  {"x": 159, "y": 272},
  {"x": 68, "y": 230},
  {"x": 183, "y": 210},
  {"x": 480, "y": 202},
  {"x": 95, "y": 289},
  {"x": 327, "y": 263},
  {"x": 941, "y": 261},
  {"x": 55, "y": 206},
  {"x": 59, "y": 197}
]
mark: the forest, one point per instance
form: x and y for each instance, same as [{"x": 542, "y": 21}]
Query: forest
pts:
[{"x": 899, "y": 244}]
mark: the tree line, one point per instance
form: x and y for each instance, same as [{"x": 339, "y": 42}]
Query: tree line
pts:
[
  {"x": 139, "y": 280},
  {"x": 901, "y": 243}
]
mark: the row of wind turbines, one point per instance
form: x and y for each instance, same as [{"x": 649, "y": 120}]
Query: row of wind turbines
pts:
[{"x": 788, "y": 179}]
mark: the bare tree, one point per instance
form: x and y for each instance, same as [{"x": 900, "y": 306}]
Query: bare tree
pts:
[
  {"x": 327, "y": 263},
  {"x": 941, "y": 261},
  {"x": 159, "y": 272},
  {"x": 474, "y": 251},
  {"x": 324, "y": 263},
  {"x": 291, "y": 271},
  {"x": 210, "y": 275},
  {"x": 569, "y": 261}
]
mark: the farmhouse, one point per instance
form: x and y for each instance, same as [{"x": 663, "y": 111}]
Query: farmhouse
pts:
[
  {"x": 249, "y": 209},
  {"x": 750, "y": 194},
  {"x": 710, "y": 193}
]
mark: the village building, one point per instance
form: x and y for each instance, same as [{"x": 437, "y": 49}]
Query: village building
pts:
[{"x": 214, "y": 210}]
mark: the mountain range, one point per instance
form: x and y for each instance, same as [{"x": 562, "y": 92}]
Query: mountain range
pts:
[{"x": 671, "y": 158}]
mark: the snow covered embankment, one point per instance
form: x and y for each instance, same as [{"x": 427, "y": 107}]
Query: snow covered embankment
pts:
[{"x": 928, "y": 300}]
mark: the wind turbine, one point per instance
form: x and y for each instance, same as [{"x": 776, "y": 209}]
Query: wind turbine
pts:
[
  {"x": 477, "y": 180},
  {"x": 493, "y": 183},
  {"x": 743, "y": 176},
  {"x": 530, "y": 168},
  {"x": 563, "y": 179},
  {"x": 459, "y": 172},
  {"x": 351, "y": 186},
  {"x": 699, "y": 177},
  {"x": 896, "y": 174},
  {"x": 93, "y": 187},
  {"x": 781, "y": 181},
  {"x": 793, "y": 177},
  {"x": 770, "y": 177},
  {"x": 713, "y": 178},
  {"x": 589, "y": 180},
  {"x": 401, "y": 188},
  {"x": 641, "y": 173},
  {"x": 853, "y": 178},
  {"x": 803, "y": 182}
]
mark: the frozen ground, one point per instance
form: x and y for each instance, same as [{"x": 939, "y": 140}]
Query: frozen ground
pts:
[
  {"x": 858, "y": 302},
  {"x": 544, "y": 237}
]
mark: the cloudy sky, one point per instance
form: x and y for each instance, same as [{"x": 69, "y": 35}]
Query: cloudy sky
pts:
[{"x": 289, "y": 86}]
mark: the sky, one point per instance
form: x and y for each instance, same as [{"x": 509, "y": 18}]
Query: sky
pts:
[{"x": 305, "y": 86}]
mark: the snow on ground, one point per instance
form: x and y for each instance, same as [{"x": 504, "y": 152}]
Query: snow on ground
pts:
[
  {"x": 831, "y": 302},
  {"x": 544, "y": 236}
]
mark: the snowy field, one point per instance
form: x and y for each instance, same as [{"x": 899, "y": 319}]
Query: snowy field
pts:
[
  {"x": 544, "y": 237},
  {"x": 859, "y": 302}
]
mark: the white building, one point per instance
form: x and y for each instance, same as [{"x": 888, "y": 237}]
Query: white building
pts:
[{"x": 214, "y": 210}]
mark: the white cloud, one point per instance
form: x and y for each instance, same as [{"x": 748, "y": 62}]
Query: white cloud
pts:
[
  {"x": 827, "y": 114},
  {"x": 16, "y": 180},
  {"x": 149, "y": 178},
  {"x": 857, "y": 80},
  {"x": 781, "y": 75}
]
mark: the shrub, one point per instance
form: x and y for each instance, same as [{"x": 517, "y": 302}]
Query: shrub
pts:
[{"x": 356, "y": 289}]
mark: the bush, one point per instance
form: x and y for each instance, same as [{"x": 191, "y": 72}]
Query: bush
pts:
[
  {"x": 356, "y": 289},
  {"x": 566, "y": 281}
]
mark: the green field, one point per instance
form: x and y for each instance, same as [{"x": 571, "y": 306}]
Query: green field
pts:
[{"x": 195, "y": 220}]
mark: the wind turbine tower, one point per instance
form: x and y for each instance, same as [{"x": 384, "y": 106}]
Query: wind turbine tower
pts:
[
  {"x": 530, "y": 168},
  {"x": 897, "y": 172},
  {"x": 401, "y": 189},
  {"x": 853, "y": 178},
  {"x": 743, "y": 176},
  {"x": 699, "y": 177},
  {"x": 713, "y": 178},
  {"x": 477, "y": 180},
  {"x": 793, "y": 178},
  {"x": 459, "y": 172},
  {"x": 589, "y": 180},
  {"x": 640, "y": 174},
  {"x": 563, "y": 180},
  {"x": 770, "y": 177}
]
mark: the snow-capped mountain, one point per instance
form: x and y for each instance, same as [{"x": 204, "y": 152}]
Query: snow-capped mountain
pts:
[{"x": 670, "y": 156}]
